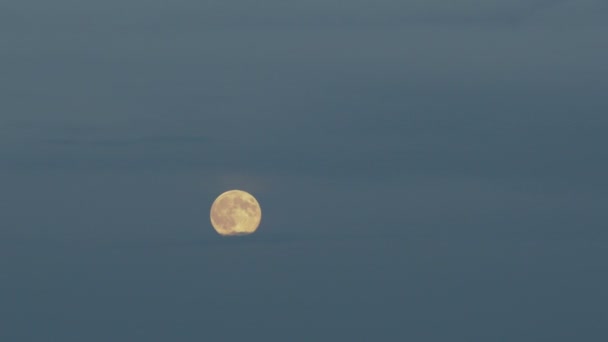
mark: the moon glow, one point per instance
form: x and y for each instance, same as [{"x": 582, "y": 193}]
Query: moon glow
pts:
[{"x": 235, "y": 212}]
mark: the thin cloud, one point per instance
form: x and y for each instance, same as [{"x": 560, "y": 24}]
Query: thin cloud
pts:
[{"x": 122, "y": 142}]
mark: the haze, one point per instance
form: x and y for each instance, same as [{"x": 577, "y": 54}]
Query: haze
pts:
[{"x": 429, "y": 170}]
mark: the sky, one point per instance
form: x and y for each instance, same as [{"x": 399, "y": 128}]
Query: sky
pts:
[{"x": 427, "y": 170}]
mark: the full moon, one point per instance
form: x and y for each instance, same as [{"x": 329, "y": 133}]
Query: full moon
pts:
[{"x": 235, "y": 212}]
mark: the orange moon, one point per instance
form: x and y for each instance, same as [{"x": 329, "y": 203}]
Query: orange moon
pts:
[{"x": 235, "y": 212}]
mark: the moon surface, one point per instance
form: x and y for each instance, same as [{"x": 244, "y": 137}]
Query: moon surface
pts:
[{"x": 235, "y": 212}]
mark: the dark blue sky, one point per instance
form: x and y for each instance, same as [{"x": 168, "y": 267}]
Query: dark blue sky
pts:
[{"x": 428, "y": 171}]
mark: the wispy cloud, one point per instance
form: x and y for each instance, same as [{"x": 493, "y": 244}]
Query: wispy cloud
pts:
[{"x": 123, "y": 142}]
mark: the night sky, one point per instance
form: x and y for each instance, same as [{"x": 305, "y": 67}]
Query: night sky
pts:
[{"x": 427, "y": 170}]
